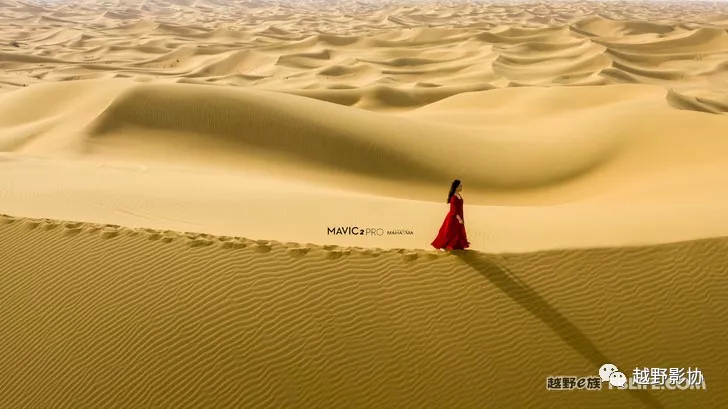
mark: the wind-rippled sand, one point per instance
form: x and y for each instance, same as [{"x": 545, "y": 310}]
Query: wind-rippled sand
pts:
[
  {"x": 106, "y": 316},
  {"x": 591, "y": 139}
]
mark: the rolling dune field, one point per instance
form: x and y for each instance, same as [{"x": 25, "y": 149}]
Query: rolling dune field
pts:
[{"x": 172, "y": 174}]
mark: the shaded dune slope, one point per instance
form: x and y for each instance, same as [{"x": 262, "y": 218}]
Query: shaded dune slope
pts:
[
  {"x": 204, "y": 321},
  {"x": 517, "y": 138}
]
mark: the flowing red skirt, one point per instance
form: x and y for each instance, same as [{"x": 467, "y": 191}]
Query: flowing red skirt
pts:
[{"x": 452, "y": 235}]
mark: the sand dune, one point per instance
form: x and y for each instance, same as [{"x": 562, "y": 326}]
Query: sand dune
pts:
[
  {"x": 578, "y": 44},
  {"x": 569, "y": 154},
  {"x": 591, "y": 139},
  {"x": 107, "y": 117},
  {"x": 132, "y": 318}
]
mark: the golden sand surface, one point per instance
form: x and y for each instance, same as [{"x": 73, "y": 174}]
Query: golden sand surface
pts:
[
  {"x": 103, "y": 316},
  {"x": 591, "y": 139}
]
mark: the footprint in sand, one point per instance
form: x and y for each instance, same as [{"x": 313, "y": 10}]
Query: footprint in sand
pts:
[
  {"x": 108, "y": 233},
  {"x": 262, "y": 246},
  {"x": 7, "y": 219},
  {"x": 72, "y": 231},
  {"x": 298, "y": 251},
  {"x": 233, "y": 244},
  {"x": 50, "y": 224},
  {"x": 409, "y": 256},
  {"x": 200, "y": 243},
  {"x": 338, "y": 253},
  {"x": 32, "y": 224}
]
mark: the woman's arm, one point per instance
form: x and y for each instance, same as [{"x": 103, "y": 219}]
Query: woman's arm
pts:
[
  {"x": 456, "y": 207},
  {"x": 453, "y": 207}
]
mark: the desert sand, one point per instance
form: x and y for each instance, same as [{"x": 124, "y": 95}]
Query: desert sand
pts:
[{"x": 169, "y": 173}]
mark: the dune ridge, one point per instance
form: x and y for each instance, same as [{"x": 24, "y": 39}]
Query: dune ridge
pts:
[
  {"x": 546, "y": 167},
  {"x": 205, "y": 321}
]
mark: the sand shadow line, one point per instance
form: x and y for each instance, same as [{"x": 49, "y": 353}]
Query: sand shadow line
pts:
[{"x": 525, "y": 296}]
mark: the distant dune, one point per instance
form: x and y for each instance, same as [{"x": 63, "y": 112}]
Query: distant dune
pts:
[
  {"x": 548, "y": 167},
  {"x": 591, "y": 139},
  {"x": 324, "y": 50}
]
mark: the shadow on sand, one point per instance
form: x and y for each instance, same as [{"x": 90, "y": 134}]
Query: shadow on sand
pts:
[{"x": 526, "y": 297}]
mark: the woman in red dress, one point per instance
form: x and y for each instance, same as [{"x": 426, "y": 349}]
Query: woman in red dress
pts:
[{"x": 452, "y": 234}]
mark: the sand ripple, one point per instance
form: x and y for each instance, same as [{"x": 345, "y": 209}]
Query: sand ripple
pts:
[{"x": 95, "y": 319}]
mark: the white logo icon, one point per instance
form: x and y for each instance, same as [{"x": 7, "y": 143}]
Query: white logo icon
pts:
[
  {"x": 606, "y": 371},
  {"x": 617, "y": 379}
]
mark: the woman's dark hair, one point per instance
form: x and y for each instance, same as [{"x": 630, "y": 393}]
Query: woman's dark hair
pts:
[{"x": 453, "y": 187}]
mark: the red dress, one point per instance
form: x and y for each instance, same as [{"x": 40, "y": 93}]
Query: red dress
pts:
[{"x": 452, "y": 234}]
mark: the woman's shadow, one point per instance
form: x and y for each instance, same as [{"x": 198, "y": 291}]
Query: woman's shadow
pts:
[{"x": 528, "y": 298}]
